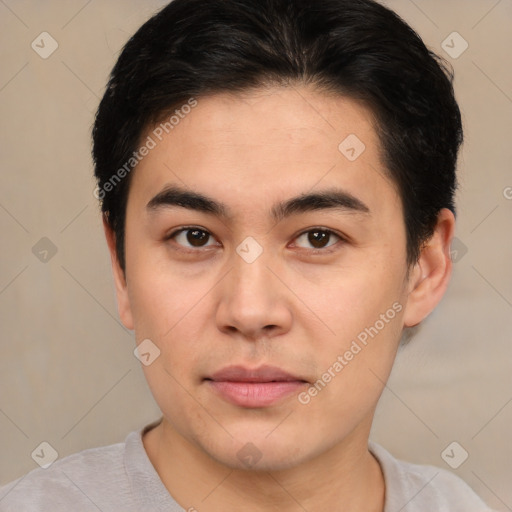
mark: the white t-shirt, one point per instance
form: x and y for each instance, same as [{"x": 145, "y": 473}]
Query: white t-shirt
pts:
[{"x": 121, "y": 478}]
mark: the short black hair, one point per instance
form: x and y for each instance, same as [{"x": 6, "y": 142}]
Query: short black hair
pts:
[{"x": 356, "y": 48}]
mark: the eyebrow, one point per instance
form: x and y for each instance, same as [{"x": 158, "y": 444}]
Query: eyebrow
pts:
[{"x": 328, "y": 199}]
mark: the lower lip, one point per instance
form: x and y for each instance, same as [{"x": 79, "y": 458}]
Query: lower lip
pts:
[{"x": 255, "y": 394}]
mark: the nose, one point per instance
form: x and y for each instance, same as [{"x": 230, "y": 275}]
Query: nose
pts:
[{"x": 253, "y": 301}]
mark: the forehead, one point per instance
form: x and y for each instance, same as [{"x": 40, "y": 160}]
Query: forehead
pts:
[
  {"x": 286, "y": 118},
  {"x": 266, "y": 143}
]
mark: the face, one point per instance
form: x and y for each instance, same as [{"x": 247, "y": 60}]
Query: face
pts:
[{"x": 267, "y": 284}]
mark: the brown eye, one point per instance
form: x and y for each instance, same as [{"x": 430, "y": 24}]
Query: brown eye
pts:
[
  {"x": 197, "y": 237},
  {"x": 319, "y": 238},
  {"x": 191, "y": 237}
]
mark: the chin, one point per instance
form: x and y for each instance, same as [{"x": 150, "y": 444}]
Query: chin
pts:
[{"x": 260, "y": 453}]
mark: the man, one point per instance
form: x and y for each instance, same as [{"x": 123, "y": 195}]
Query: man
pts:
[{"x": 276, "y": 180}]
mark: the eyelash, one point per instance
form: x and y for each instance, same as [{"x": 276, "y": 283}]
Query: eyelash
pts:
[{"x": 329, "y": 249}]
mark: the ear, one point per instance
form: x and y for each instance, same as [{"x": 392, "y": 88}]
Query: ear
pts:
[
  {"x": 123, "y": 301},
  {"x": 429, "y": 278}
]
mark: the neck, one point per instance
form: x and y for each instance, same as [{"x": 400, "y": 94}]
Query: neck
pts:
[{"x": 345, "y": 478}]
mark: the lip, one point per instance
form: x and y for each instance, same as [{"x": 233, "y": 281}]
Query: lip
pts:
[
  {"x": 264, "y": 373},
  {"x": 254, "y": 388}
]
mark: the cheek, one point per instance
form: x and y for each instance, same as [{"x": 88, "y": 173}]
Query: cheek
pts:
[
  {"x": 352, "y": 373},
  {"x": 349, "y": 299},
  {"x": 169, "y": 310},
  {"x": 363, "y": 309},
  {"x": 160, "y": 298},
  {"x": 175, "y": 398}
]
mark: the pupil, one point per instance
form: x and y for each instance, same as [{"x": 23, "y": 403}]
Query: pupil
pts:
[
  {"x": 317, "y": 237},
  {"x": 196, "y": 235}
]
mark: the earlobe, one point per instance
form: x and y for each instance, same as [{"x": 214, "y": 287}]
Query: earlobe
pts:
[
  {"x": 431, "y": 274},
  {"x": 123, "y": 301}
]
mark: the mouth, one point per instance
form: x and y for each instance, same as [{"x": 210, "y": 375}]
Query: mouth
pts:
[{"x": 254, "y": 388}]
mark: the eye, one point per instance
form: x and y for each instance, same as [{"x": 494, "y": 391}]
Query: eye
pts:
[
  {"x": 193, "y": 236},
  {"x": 319, "y": 238}
]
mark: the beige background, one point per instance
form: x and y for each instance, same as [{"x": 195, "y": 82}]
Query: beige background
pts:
[{"x": 68, "y": 373}]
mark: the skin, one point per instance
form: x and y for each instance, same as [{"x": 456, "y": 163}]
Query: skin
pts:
[{"x": 289, "y": 308}]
